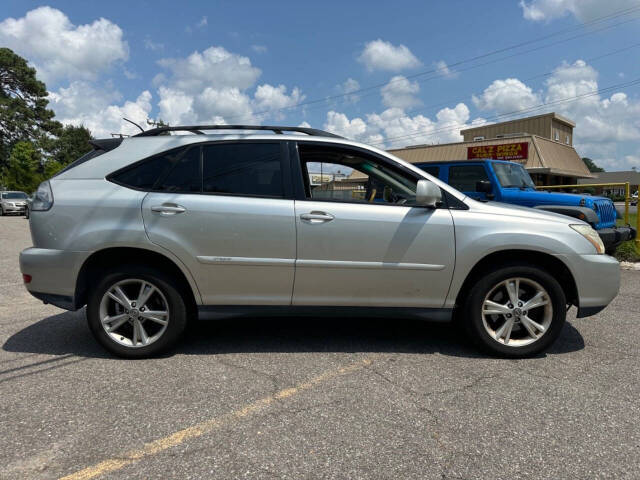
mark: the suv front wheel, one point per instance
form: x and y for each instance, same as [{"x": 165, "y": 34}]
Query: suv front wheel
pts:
[
  {"x": 515, "y": 311},
  {"x": 136, "y": 312}
]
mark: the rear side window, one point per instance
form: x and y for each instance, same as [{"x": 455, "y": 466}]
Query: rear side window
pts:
[
  {"x": 243, "y": 169},
  {"x": 174, "y": 171},
  {"x": 464, "y": 177}
]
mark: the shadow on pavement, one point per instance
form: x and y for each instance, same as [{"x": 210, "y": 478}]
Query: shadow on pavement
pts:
[{"x": 67, "y": 334}]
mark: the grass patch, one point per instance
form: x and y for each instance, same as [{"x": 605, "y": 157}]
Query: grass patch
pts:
[
  {"x": 633, "y": 218},
  {"x": 627, "y": 252}
]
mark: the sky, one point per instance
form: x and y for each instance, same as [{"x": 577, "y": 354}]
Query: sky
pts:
[{"x": 389, "y": 74}]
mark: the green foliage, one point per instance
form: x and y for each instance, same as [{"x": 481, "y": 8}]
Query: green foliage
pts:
[
  {"x": 21, "y": 171},
  {"x": 23, "y": 105},
  {"x": 51, "y": 168},
  {"x": 627, "y": 252},
  {"x": 71, "y": 144},
  {"x": 593, "y": 168}
]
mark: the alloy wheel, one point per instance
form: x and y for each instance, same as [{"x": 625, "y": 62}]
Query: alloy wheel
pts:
[
  {"x": 517, "y": 312},
  {"x": 134, "y": 313}
]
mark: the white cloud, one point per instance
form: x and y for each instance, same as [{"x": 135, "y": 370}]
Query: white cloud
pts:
[
  {"x": 347, "y": 88},
  {"x": 601, "y": 123},
  {"x": 227, "y": 103},
  {"x": 215, "y": 67},
  {"x": 443, "y": 70},
  {"x": 506, "y": 96},
  {"x": 355, "y": 129},
  {"x": 212, "y": 87},
  {"x": 203, "y": 22},
  {"x": 394, "y": 128},
  {"x": 153, "y": 46},
  {"x": 605, "y": 125},
  {"x": 82, "y": 104},
  {"x": 275, "y": 99},
  {"x": 400, "y": 92},
  {"x": 176, "y": 107},
  {"x": 60, "y": 49},
  {"x": 381, "y": 55},
  {"x": 583, "y": 10},
  {"x": 259, "y": 48}
]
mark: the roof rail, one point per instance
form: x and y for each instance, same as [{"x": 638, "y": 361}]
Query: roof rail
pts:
[{"x": 197, "y": 129}]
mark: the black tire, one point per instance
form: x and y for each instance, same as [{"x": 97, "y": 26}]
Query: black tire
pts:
[
  {"x": 173, "y": 293},
  {"x": 26, "y": 214},
  {"x": 472, "y": 306}
]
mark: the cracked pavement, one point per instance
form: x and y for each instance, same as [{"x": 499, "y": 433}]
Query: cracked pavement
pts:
[{"x": 428, "y": 405}]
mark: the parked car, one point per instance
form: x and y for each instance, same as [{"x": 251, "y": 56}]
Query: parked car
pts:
[
  {"x": 13, "y": 203},
  {"x": 509, "y": 182},
  {"x": 634, "y": 199},
  {"x": 155, "y": 230}
]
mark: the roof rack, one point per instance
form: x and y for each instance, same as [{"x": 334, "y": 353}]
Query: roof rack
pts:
[{"x": 197, "y": 129}]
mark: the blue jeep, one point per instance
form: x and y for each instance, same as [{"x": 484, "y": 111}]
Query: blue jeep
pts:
[{"x": 509, "y": 182}]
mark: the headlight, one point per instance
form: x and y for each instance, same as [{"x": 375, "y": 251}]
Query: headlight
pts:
[
  {"x": 43, "y": 199},
  {"x": 591, "y": 235}
]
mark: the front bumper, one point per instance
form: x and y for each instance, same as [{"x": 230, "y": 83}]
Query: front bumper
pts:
[
  {"x": 14, "y": 209},
  {"x": 612, "y": 237},
  {"x": 597, "y": 280},
  {"x": 53, "y": 274}
]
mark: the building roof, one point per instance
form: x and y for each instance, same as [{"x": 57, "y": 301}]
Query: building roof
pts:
[
  {"x": 553, "y": 115},
  {"x": 545, "y": 156},
  {"x": 630, "y": 176}
]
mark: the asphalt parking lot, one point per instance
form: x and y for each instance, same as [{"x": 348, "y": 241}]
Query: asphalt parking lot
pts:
[{"x": 312, "y": 399}]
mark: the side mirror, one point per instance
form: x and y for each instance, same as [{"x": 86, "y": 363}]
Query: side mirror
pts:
[
  {"x": 484, "y": 186},
  {"x": 428, "y": 194}
]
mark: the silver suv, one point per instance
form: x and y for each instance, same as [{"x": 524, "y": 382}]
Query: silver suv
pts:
[
  {"x": 152, "y": 231},
  {"x": 13, "y": 203}
]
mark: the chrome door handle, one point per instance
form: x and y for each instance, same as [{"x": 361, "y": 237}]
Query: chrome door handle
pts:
[
  {"x": 317, "y": 217},
  {"x": 168, "y": 209}
]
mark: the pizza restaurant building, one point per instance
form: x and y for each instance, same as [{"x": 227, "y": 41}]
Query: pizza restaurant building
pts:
[{"x": 550, "y": 160}]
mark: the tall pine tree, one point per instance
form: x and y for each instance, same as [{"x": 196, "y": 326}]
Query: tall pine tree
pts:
[{"x": 24, "y": 115}]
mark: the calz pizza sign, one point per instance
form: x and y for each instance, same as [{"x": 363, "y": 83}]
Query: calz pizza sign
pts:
[{"x": 507, "y": 151}]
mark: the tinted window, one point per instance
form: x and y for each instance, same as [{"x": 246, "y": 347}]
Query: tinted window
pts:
[
  {"x": 243, "y": 169},
  {"x": 464, "y": 177},
  {"x": 174, "y": 171}
]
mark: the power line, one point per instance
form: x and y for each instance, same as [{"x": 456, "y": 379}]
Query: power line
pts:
[
  {"x": 611, "y": 16},
  {"x": 520, "y": 111},
  {"x": 417, "y": 109},
  {"x": 540, "y": 75}
]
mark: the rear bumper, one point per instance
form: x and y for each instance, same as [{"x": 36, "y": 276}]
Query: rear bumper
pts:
[
  {"x": 53, "y": 274},
  {"x": 612, "y": 237}
]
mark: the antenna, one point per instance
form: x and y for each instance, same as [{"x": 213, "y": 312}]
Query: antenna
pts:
[{"x": 134, "y": 123}]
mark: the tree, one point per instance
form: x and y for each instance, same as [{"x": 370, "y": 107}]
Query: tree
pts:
[
  {"x": 71, "y": 144},
  {"x": 23, "y": 105},
  {"x": 593, "y": 168},
  {"x": 21, "y": 171}
]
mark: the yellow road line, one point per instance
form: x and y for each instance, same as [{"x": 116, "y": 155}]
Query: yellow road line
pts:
[{"x": 207, "y": 426}]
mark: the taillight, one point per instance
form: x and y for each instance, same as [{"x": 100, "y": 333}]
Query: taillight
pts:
[
  {"x": 26, "y": 278},
  {"x": 43, "y": 199}
]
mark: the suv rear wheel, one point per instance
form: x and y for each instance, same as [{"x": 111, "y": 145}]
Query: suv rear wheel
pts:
[
  {"x": 516, "y": 311},
  {"x": 136, "y": 312}
]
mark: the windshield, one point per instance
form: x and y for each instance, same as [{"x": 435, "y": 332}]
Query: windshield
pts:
[
  {"x": 512, "y": 175},
  {"x": 15, "y": 195}
]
